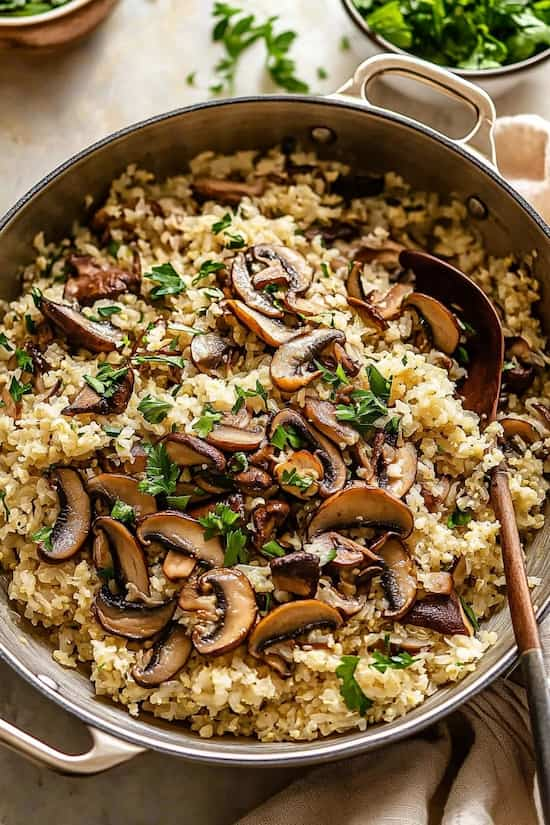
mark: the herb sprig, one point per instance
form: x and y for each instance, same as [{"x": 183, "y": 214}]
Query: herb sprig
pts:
[{"x": 351, "y": 692}]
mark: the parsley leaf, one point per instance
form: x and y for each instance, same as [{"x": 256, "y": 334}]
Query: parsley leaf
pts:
[
  {"x": 161, "y": 474},
  {"x": 238, "y": 463},
  {"x": 219, "y": 522},
  {"x": 335, "y": 379},
  {"x": 235, "y": 241},
  {"x": 207, "y": 268},
  {"x": 17, "y": 390},
  {"x": 106, "y": 312},
  {"x": 5, "y": 343},
  {"x": 273, "y": 548},
  {"x": 107, "y": 380},
  {"x": 167, "y": 279},
  {"x": 460, "y": 518},
  {"x": 222, "y": 224},
  {"x": 205, "y": 424},
  {"x": 24, "y": 360},
  {"x": 190, "y": 79},
  {"x": 153, "y": 409},
  {"x": 171, "y": 360},
  {"x": 235, "y": 548},
  {"x": 366, "y": 409},
  {"x": 379, "y": 385},
  {"x": 43, "y": 536},
  {"x": 178, "y": 502},
  {"x": 30, "y": 325},
  {"x": 291, "y": 478},
  {"x": 243, "y": 394},
  {"x": 352, "y": 694},
  {"x": 397, "y": 661},
  {"x": 123, "y": 512},
  {"x": 286, "y": 435},
  {"x": 471, "y": 616}
]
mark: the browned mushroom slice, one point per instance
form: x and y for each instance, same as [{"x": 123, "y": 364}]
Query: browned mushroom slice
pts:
[
  {"x": 365, "y": 506},
  {"x": 129, "y": 556},
  {"x": 398, "y": 578},
  {"x": 227, "y": 191},
  {"x": 355, "y": 286},
  {"x": 542, "y": 411},
  {"x": 189, "y": 451},
  {"x": 72, "y": 525},
  {"x": 266, "y": 518},
  {"x": 237, "y": 609},
  {"x": 296, "y": 573},
  {"x": 300, "y": 306},
  {"x": 526, "y": 430},
  {"x": 192, "y": 599},
  {"x": 401, "y": 471},
  {"x": 95, "y": 280},
  {"x": 244, "y": 288},
  {"x": 253, "y": 481},
  {"x": 290, "y": 620},
  {"x": 234, "y": 501},
  {"x": 348, "y": 550},
  {"x": 389, "y": 305},
  {"x": 443, "y": 324},
  {"x": 177, "y": 565},
  {"x": 115, "y": 486},
  {"x": 387, "y": 254},
  {"x": 323, "y": 415},
  {"x": 102, "y": 556},
  {"x": 181, "y": 533},
  {"x": 88, "y": 401},
  {"x": 164, "y": 659},
  {"x": 300, "y": 474},
  {"x": 299, "y": 273},
  {"x": 441, "y": 582},
  {"x": 131, "y": 620},
  {"x": 269, "y": 330},
  {"x": 209, "y": 352},
  {"x": 346, "y": 606},
  {"x": 441, "y": 613},
  {"x": 517, "y": 378},
  {"x": 289, "y": 365},
  {"x": 79, "y": 330},
  {"x": 339, "y": 550},
  {"x": 368, "y": 313},
  {"x": 233, "y": 439}
]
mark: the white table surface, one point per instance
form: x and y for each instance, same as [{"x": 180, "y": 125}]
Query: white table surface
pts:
[{"x": 134, "y": 66}]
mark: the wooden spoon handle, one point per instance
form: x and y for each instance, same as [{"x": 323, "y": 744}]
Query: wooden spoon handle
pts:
[
  {"x": 519, "y": 597},
  {"x": 538, "y": 697}
]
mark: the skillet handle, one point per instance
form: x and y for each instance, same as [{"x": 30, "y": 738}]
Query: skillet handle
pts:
[
  {"x": 480, "y": 138},
  {"x": 105, "y": 752}
]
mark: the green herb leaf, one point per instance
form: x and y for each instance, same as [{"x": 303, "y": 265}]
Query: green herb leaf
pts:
[
  {"x": 112, "y": 248},
  {"x": 213, "y": 293},
  {"x": 235, "y": 548},
  {"x": 222, "y": 224},
  {"x": 153, "y": 409},
  {"x": 30, "y": 325},
  {"x": 17, "y": 390},
  {"x": 5, "y": 343},
  {"x": 167, "y": 279},
  {"x": 395, "y": 661},
  {"x": 243, "y": 394},
  {"x": 170, "y": 360},
  {"x": 352, "y": 694},
  {"x": 161, "y": 474},
  {"x": 178, "y": 502},
  {"x": 24, "y": 360},
  {"x": 123, "y": 512},
  {"x": 344, "y": 44},
  {"x": 43, "y": 536},
  {"x": 219, "y": 521},
  {"x": 472, "y": 618},
  {"x": 379, "y": 385},
  {"x": 273, "y": 548},
  {"x": 460, "y": 518},
  {"x": 113, "y": 432},
  {"x": 286, "y": 435},
  {"x": 322, "y": 73},
  {"x": 107, "y": 380},
  {"x": 238, "y": 463},
  {"x": 190, "y": 78},
  {"x": 107, "y": 312},
  {"x": 291, "y": 478},
  {"x": 205, "y": 424},
  {"x": 235, "y": 241},
  {"x": 461, "y": 355},
  {"x": 207, "y": 268},
  {"x": 335, "y": 379}
]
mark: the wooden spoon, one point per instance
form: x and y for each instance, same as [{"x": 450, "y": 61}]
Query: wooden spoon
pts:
[{"x": 481, "y": 392}]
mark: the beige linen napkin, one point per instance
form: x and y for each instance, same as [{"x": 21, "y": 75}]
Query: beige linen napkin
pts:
[{"x": 475, "y": 768}]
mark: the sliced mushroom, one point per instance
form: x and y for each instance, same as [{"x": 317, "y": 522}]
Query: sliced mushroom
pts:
[
  {"x": 192, "y": 599},
  {"x": 542, "y": 411},
  {"x": 79, "y": 330},
  {"x": 164, "y": 659},
  {"x": 244, "y": 288},
  {"x": 300, "y": 306},
  {"x": 181, "y": 533},
  {"x": 401, "y": 471},
  {"x": 443, "y": 324},
  {"x": 398, "y": 578},
  {"x": 270, "y": 331},
  {"x": 177, "y": 565},
  {"x": 236, "y": 604},
  {"x": 290, "y": 620},
  {"x": 88, "y": 401},
  {"x": 296, "y": 573},
  {"x": 266, "y": 518},
  {"x": 436, "y": 494},
  {"x": 368, "y": 313},
  {"x": 290, "y": 362},
  {"x": 441, "y": 582},
  {"x": 330, "y": 595},
  {"x": 130, "y": 559},
  {"x": 227, "y": 191},
  {"x": 102, "y": 556},
  {"x": 94, "y": 280},
  {"x": 234, "y": 439},
  {"x": 115, "y": 486},
  {"x": 131, "y": 620},
  {"x": 518, "y": 378},
  {"x": 189, "y": 451},
  {"x": 300, "y": 474},
  {"x": 356, "y": 288},
  {"x": 299, "y": 273},
  {"x": 209, "y": 352},
  {"x": 254, "y": 481},
  {"x": 72, "y": 525},
  {"x": 389, "y": 305},
  {"x": 365, "y": 506},
  {"x": 515, "y": 426},
  {"x": 323, "y": 415},
  {"x": 387, "y": 254},
  {"x": 441, "y": 613}
]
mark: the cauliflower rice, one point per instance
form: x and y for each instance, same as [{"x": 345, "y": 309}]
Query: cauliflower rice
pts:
[{"x": 163, "y": 221}]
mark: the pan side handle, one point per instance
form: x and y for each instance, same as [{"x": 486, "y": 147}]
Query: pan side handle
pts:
[
  {"x": 105, "y": 752},
  {"x": 479, "y": 140}
]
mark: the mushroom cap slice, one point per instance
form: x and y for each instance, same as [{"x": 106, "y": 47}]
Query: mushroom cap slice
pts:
[
  {"x": 165, "y": 659},
  {"x": 234, "y": 439},
  {"x": 89, "y": 401},
  {"x": 131, "y": 620},
  {"x": 389, "y": 305},
  {"x": 189, "y": 451},
  {"x": 266, "y": 518},
  {"x": 116, "y": 486},
  {"x": 227, "y": 191},
  {"x": 244, "y": 288},
  {"x": 305, "y": 468},
  {"x": 526, "y": 430},
  {"x": 289, "y": 363},
  {"x": 290, "y": 620},
  {"x": 177, "y": 565},
  {"x": 254, "y": 481},
  {"x": 127, "y": 552},
  {"x": 365, "y": 506},
  {"x": 355, "y": 287},
  {"x": 368, "y": 313},
  {"x": 95, "y": 280},
  {"x": 237, "y": 606},
  {"x": 270, "y": 331},
  {"x": 401, "y": 472},
  {"x": 323, "y": 415},
  {"x": 442, "y": 322},
  {"x": 209, "y": 352},
  {"x": 439, "y": 582},
  {"x": 398, "y": 578},
  {"x": 296, "y": 573},
  {"x": 299, "y": 273},
  {"x": 442, "y": 613},
  {"x": 181, "y": 533},
  {"x": 72, "y": 525},
  {"x": 79, "y": 330},
  {"x": 331, "y": 596}
]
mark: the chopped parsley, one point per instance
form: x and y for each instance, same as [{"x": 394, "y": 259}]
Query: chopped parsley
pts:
[
  {"x": 352, "y": 694},
  {"x": 205, "y": 424},
  {"x": 167, "y": 280},
  {"x": 219, "y": 522},
  {"x": 460, "y": 518},
  {"x": 190, "y": 78},
  {"x": 113, "y": 247},
  {"x": 273, "y": 548},
  {"x": 395, "y": 661},
  {"x": 153, "y": 409},
  {"x": 222, "y": 224},
  {"x": 161, "y": 474},
  {"x": 111, "y": 431},
  {"x": 243, "y": 394},
  {"x": 235, "y": 241},
  {"x": 17, "y": 390},
  {"x": 344, "y": 44},
  {"x": 107, "y": 380},
  {"x": 335, "y": 379},
  {"x": 123, "y": 512},
  {"x": 286, "y": 435},
  {"x": 43, "y": 536},
  {"x": 213, "y": 293},
  {"x": 178, "y": 502},
  {"x": 207, "y": 268},
  {"x": 291, "y": 478},
  {"x": 235, "y": 548},
  {"x": 461, "y": 355},
  {"x": 472, "y": 618},
  {"x": 379, "y": 385},
  {"x": 326, "y": 270},
  {"x": 24, "y": 360},
  {"x": 170, "y": 360},
  {"x": 238, "y": 463},
  {"x": 5, "y": 343},
  {"x": 367, "y": 406},
  {"x": 107, "y": 312},
  {"x": 30, "y": 325}
]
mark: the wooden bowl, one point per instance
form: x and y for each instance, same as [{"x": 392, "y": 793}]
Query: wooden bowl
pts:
[{"x": 54, "y": 28}]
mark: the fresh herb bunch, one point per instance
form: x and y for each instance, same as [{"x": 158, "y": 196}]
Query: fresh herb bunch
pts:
[
  {"x": 464, "y": 34},
  {"x": 237, "y": 31},
  {"x": 25, "y": 8}
]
